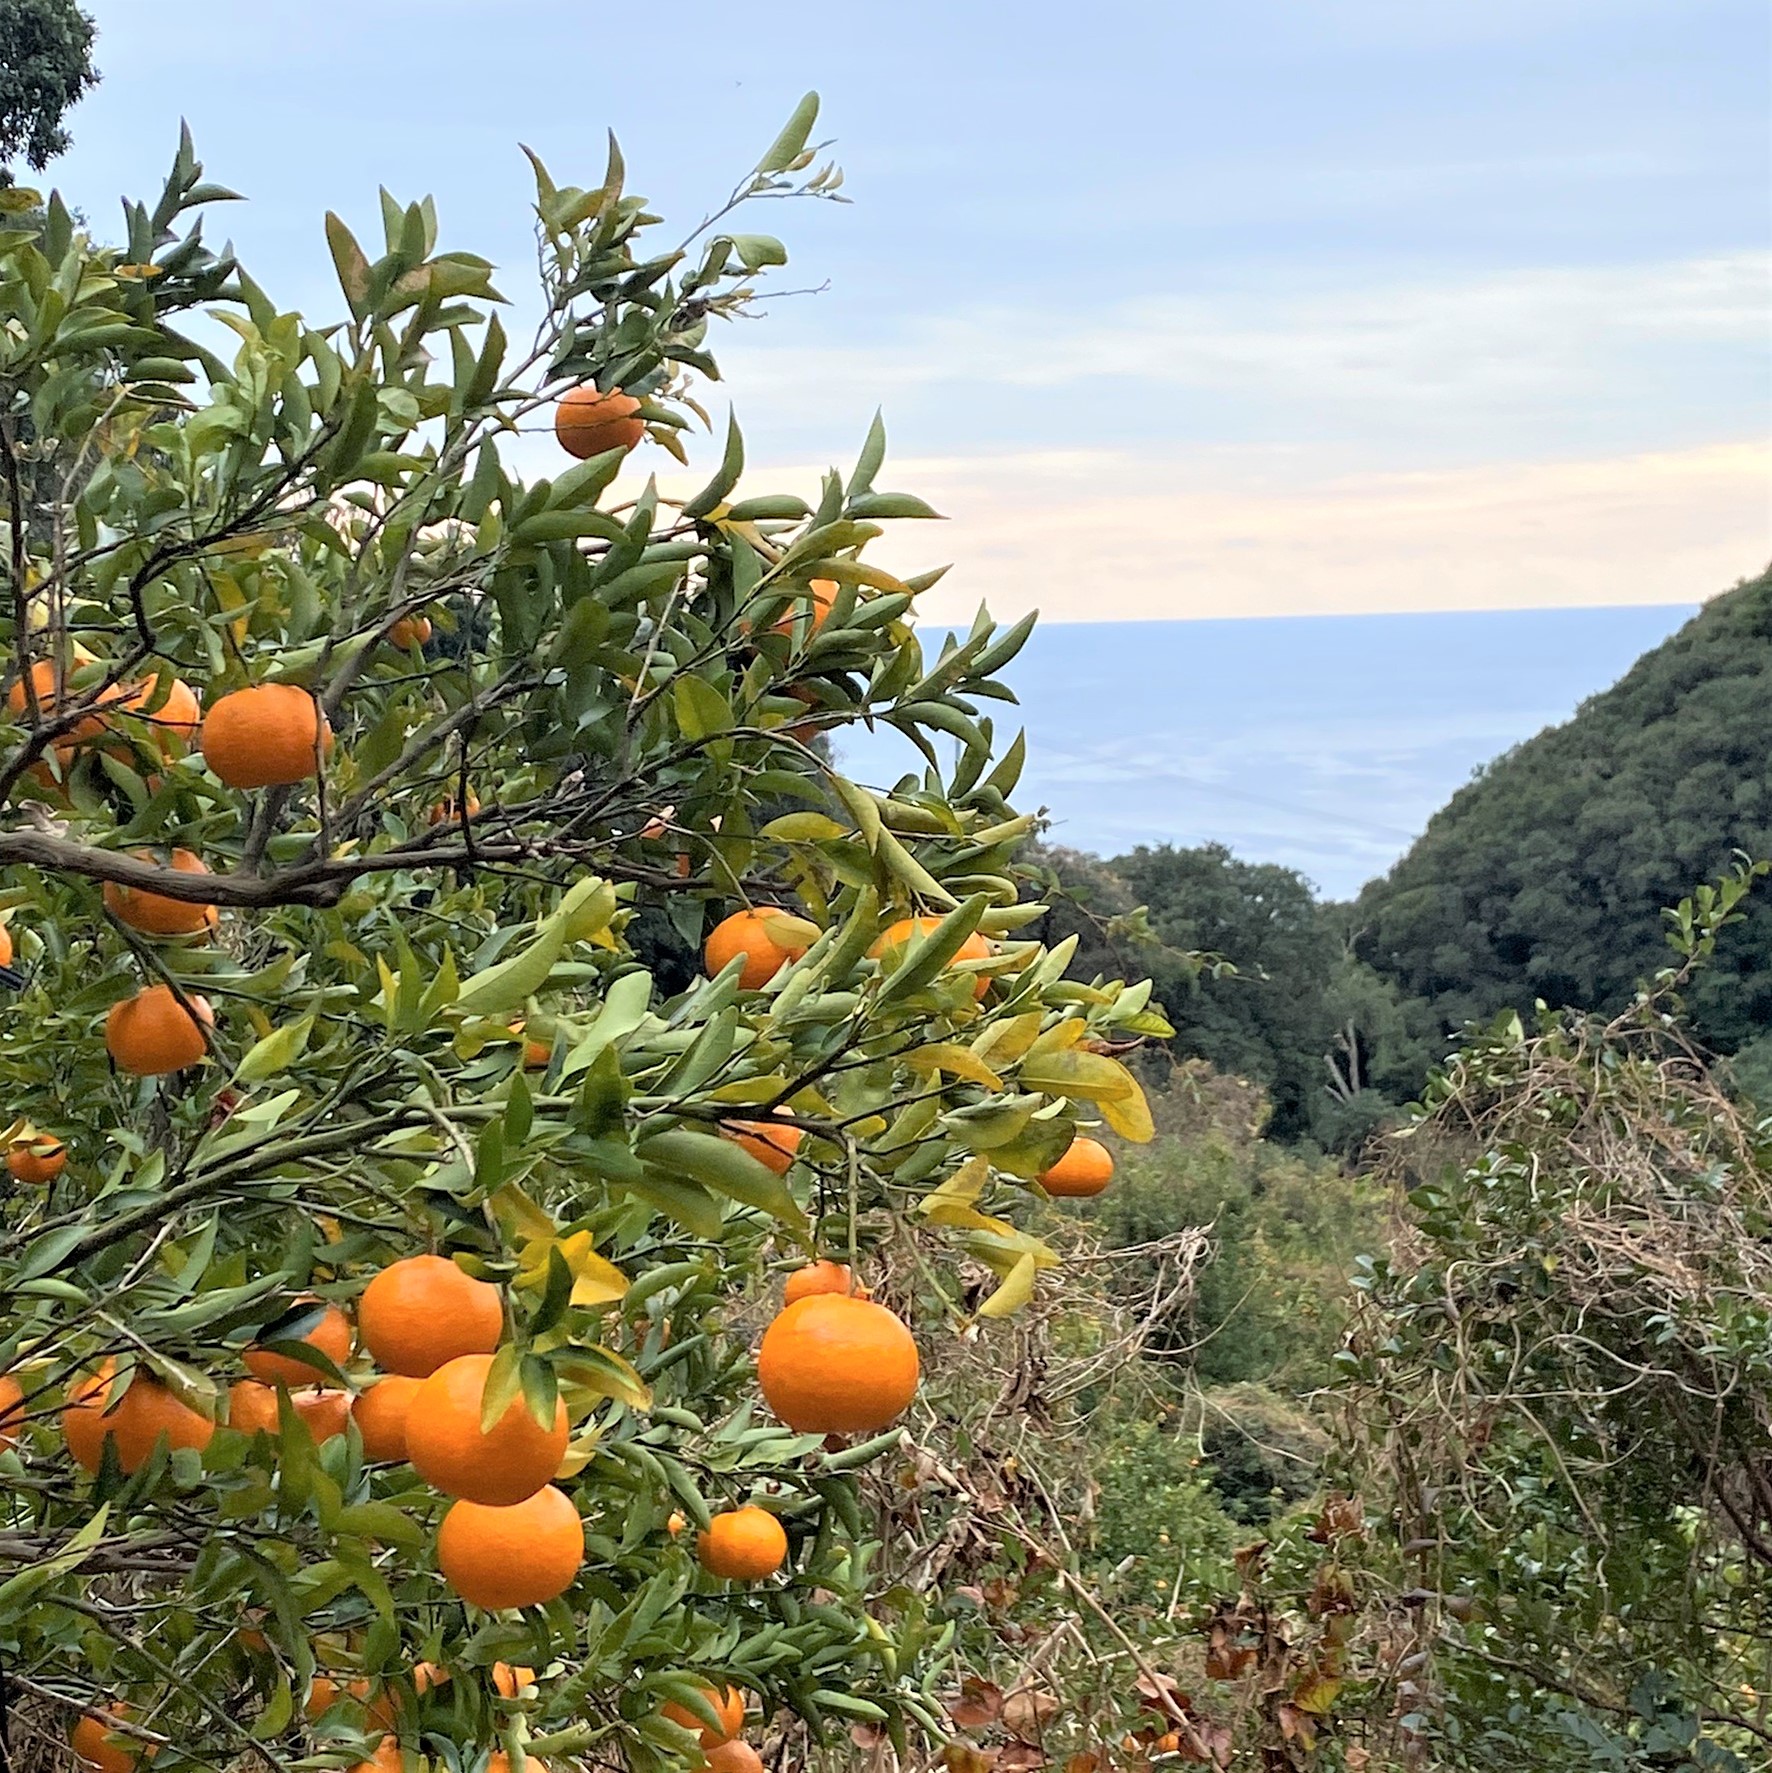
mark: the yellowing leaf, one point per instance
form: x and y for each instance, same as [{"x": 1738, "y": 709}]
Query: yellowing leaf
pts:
[
  {"x": 523, "y": 1221},
  {"x": 958, "y": 1061},
  {"x": 1016, "y": 1289},
  {"x": 601, "y": 1373},
  {"x": 595, "y": 1279},
  {"x": 1005, "y": 1042}
]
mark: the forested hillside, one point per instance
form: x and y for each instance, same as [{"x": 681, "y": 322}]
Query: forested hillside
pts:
[{"x": 1547, "y": 877}]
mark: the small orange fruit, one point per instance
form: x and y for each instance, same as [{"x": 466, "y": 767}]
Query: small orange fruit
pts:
[
  {"x": 154, "y": 914},
  {"x": 771, "y": 1143},
  {"x": 588, "y": 422},
  {"x": 323, "y": 1328},
  {"x": 148, "y": 1411},
  {"x": 975, "y": 947},
  {"x": 152, "y": 1032},
  {"x": 422, "y": 1311},
  {"x": 734, "y": 1757},
  {"x": 445, "y": 812},
  {"x": 324, "y": 1692},
  {"x": 37, "y": 1161},
  {"x": 98, "y": 1745},
  {"x": 175, "y": 721},
  {"x": 410, "y": 631},
  {"x": 387, "y": 1758},
  {"x": 512, "y": 1557},
  {"x": 823, "y": 593},
  {"x": 830, "y": 1364},
  {"x": 1085, "y": 1169},
  {"x": 675, "y": 1525},
  {"x": 509, "y": 1679},
  {"x": 497, "y": 1469},
  {"x": 500, "y": 1762},
  {"x": 767, "y": 938},
  {"x": 380, "y": 1415},
  {"x": 266, "y": 736},
  {"x": 821, "y": 1277},
  {"x": 742, "y": 1544},
  {"x": 728, "y": 1707},
  {"x": 12, "y": 1411},
  {"x": 5, "y": 946},
  {"x": 252, "y": 1407}
]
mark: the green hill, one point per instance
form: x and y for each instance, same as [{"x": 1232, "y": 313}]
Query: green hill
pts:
[{"x": 1546, "y": 877}]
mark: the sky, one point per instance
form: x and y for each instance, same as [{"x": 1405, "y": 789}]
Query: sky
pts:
[
  {"x": 1176, "y": 308},
  {"x": 1448, "y": 320}
]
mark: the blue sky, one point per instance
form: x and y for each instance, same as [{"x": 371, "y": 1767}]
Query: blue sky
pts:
[{"x": 1193, "y": 309}]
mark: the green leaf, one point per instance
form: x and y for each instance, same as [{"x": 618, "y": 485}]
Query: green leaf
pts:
[
  {"x": 726, "y": 478},
  {"x": 700, "y": 708},
  {"x": 276, "y": 1052},
  {"x": 509, "y": 984},
  {"x": 352, "y": 266},
  {"x": 541, "y": 1390},
  {"x": 728, "y": 1169},
  {"x": 791, "y": 143},
  {"x": 504, "y": 1379}
]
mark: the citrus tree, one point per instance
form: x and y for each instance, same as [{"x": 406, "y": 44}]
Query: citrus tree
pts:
[{"x": 449, "y": 982}]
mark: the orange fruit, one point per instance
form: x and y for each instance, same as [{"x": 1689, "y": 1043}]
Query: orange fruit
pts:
[
  {"x": 728, "y": 1707},
  {"x": 265, "y": 736},
  {"x": 175, "y": 721},
  {"x": 325, "y": 1329},
  {"x": 252, "y": 1408},
  {"x": 5, "y": 946},
  {"x": 830, "y": 1364},
  {"x": 975, "y": 947},
  {"x": 734, "y": 1757},
  {"x": 500, "y": 1762},
  {"x": 410, "y": 631},
  {"x": 153, "y": 1032},
  {"x": 135, "y": 1425},
  {"x": 588, "y": 422},
  {"x": 12, "y": 1411},
  {"x": 771, "y": 1143},
  {"x": 324, "y": 1693},
  {"x": 422, "y": 1311},
  {"x": 98, "y": 1746},
  {"x": 675, "y": 1525},
  {"x": 1085, "y": 1169},
  {"x": 509, "y": 1679},
  {"x": 537, "y": 1055},
  {"x": 823, "y": 593},
  {"x": 154, "y": 914},
  {"x": 380, "y": 1414},
  {"x": 43, "y": 675},
  {"x": 743, "y": 1545},
  {"x": 37, "y": 1161},
  {"x": 325, "y": 1410},
  {"x": 821, "y": 1277},
  {"x": 512, "y": 1557},
  {"x": 498, "y": 1469},
  {"x": 765, "y": 936},
  {"x": 445, "y": 812},
  {"x": 386, "y": 1759}
]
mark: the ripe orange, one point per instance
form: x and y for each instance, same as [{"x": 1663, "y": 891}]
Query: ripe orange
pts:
[
  {"x": 147, "y": 1412},
  {"x": 410, "y": 631},
  {"x": 252, "y": 1408},
  {"x": 821, "y": 1277},
  {"x": 1085, "y": 1169},
  {"x": 380, "y": 1414},
  {"x": 37, "y": 1161},
  {"x": 509, "y": 1679},
  {"x": 325, "y": 1329},
  {"x": 325, "y": 1410},
  {"x": 769, "y": 1142},
  {"x": 743, "y": 1545},
  {"x": 265, "y": 736},
  {"x": 152, "y": 1032},
  {"x": 12, "y": 1411},
  {"x": 728, "y": 1708},
  {"x": 588, "y": 422},
  {"x": 500, "y": 1762},
  {"x": 422, "y": 1311},
  {"x": 49, "y": 703},
  {"x": 154, "y": 914},
  {"x": 175, "y": 721},
  {"x": 512, "y": 1557},
  {"x": 98, "y": 1746},
  {"x": 975, "y": 947},
  {"x": 447, "y": 1449},
  {"x": 823, "y": 593},
  {"x": 5, "y": 946},
  {"x": 734, "y": 1757},
  {"x": 445, "y": 812},
  {"x": 830, "y": 1364},
  {"x": 765, "y": 936},
  {"x": 387, "y": 1758},
  {"x": 324, "y": 1693}
]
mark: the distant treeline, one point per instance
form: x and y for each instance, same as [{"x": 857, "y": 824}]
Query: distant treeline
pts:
[{"x": 1546, "y": 877}]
